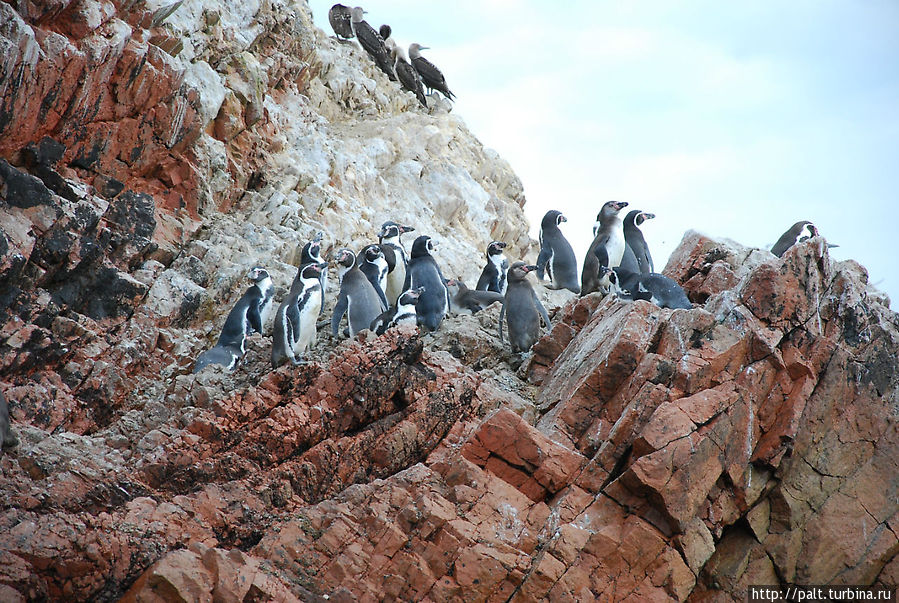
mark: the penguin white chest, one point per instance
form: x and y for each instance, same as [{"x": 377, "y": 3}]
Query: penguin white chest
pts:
[
  {"x": 615, "y": 247},
  {"x": 309, "y": 312}
]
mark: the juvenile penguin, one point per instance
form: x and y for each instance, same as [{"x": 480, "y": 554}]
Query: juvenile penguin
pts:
[
  {"x": 657, "y": 288},
  {"x": 556, "y": 256},
  {"x": 8, "y": 437},
  {"x": 635, "y": 242},
  {"x": 522, "y": 309},
  {"x": 372, "y": 42},
  {"x": 340, "y": 18},
  {"x": 607, "y": 247},
  {"x": 374, "y": 267},
  {"x": 295, "y": 322},
  {"x": 462, "y": 298},
  {"x": 401, "y": 313},
  {"x": 423, "y": 271},
  {"x": 357, "y": 298},
  {"x": 493, "y": 277},
  {"x": 245, "y": 317},
  {"x": 797, "y": 233},
  {"x": 390, "y": 239}
]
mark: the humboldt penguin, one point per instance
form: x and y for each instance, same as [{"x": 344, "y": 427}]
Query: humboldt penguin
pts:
[
  {"x": 431, "y": 76},
  {"x": 522, "y": 309},
  {"x": 312, "y": 254},
  {"x": 401, "y": 313},
  {"x": 634, "y": 241},
  {"x": 493, "y": 277},
  {"x": 654, "y": 287},
  {"x": 462, "y": 298},
  {"x": 374, "y": 267},
  {"x": 372, "y": 42},
  {"x": 797, "y": 233},
  {"x": 8, "y": 437},
  {"x": 390, "y": 239},
  {"x": 295, "y": 327},
  {"x": 341, "y": 20},
  {"x": 408, "y": 76},
  {"x": 423, "y": 271},
  {"x": 607, "y": 247},
  {"x": 245, "y": 317},
  {"x": 357, "y": 298},
  {"x": 556, "y": 256}
]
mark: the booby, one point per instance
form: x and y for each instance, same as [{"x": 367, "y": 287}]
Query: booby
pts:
[
  {"x": 372, "y": 42},
  {"x": 384, "y": 31},
  {"x": 431, "y": 76},
  {"x": 341, "y": 20},
  {"x": 408, "y": 76}
]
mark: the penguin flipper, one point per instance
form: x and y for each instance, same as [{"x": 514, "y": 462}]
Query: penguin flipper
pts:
[
  {"x": 542, "y": 312},
  {"x": 254, "y": 318},
  {"x": 502, "y": 313},
  {"x": 602, "y": 255},
  {"x": 339, "y": 311},
  {"x": 542, "y": 259},
  {"x": 384, "y": 304},
  {"x": 483, "y": 281}
]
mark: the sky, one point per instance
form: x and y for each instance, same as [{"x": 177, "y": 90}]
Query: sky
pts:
[{"x": 733, "y": 119}]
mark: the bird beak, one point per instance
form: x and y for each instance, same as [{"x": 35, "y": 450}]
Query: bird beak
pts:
[
  {"x": 563, "y": 219},
  {"x": 530, "y": 268},
  {"x": 406, "y": 229},
  {"x": 648, "y": 216},
  {"x": 424, "y": 47}
]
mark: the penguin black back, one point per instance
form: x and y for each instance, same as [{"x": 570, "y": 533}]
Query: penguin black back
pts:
[
  {"x": 423, "y": 271},
  {"x": 556, "y": 256},
  {"x": 522, "y": 310},
  {"x": 635, "y": 242},
  {"x": 607, "y": 247},
  {"x": 800, "y": 231},
  {"x": 657, "y": 288}
]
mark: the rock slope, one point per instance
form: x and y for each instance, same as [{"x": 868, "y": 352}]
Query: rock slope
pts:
[{"x": 152, "y": 152}]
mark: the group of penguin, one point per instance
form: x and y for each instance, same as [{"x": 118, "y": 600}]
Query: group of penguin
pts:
[{"x": 414, "y": 72}]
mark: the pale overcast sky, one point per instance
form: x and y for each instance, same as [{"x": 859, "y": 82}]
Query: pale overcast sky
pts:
[{"x": 736, "y": 120}]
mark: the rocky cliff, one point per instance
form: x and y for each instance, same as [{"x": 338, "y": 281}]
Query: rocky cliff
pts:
[{"x": 152, "y": 152}]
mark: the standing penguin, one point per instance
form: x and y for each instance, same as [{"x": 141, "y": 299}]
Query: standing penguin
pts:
[
  {"x": 374, "y": 267},
  {"x": 247, "y": 315},
  {"x": 556, "y": 256},
  {"x": 607, "y": 247},
  {"x": 493, "y": 277},
  {"x": 401, "y": 313},
  {"x": 295, "y": 322},
  {"x": 312, "y": 254},
  {"x": 522, "y": 309},
  {"x": 798, "y": 232},
  {"x": 423, "y": 271},
  {"x": 372, "y": 42},
  {"x": 636, "y": 252},
  {"x": 357, "y": 298},
  {"x": 390, "y": 239},
  {"x": 341, "y": 20},
  {"x": 8, "y": 437}
]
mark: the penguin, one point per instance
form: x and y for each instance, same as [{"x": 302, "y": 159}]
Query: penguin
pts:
[
  {"x": 357, "y": 298},
  {"x": 463, "y": 298},
  {"x": 295, "y": 327},
  {"x": 403, "y": 312},
  {"x": 522, "y": 309},
  {"x": 340, "y": 18},
  {"x": 312, "y": 254},
  {"x": 8, "y": 437},
  {"x": 607, "y": 247},
  {"x": 245, "y": 317},
  {"x": 390, "y": 239},
  {"x": 654, "y": 287},
  {"x": 493, "y": 277},
  {"x": 635, "y": 242},
  {"x": 556, "y": 256},
  {"x": 374, "y": 267},
  {"x": 797, "y": 233},
  {"x": 423, "y": 271}
]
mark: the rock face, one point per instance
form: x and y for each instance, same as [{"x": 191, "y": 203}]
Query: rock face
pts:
[{"x": 151, "y": 153}]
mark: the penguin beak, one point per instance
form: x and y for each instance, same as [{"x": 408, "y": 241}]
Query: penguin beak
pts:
[
  {"x": 404, "y": 229},
  {"x": 647, "y": 215},
  {"x": 318, "y": 237},
  {"x": 529, "y": 268},
  {"x": 619, "y": 205},
  {"x": 501, "y": 245},
  {"x": 562, "y": 218},
  {"x": 451, "y": 282}
]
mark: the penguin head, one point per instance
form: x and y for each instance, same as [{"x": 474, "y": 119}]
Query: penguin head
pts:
[
  {"x": 423, "y": 246},
  {"x": 610, "y": 210},
  {"x": 495, "y": 248},
  {"x": 552, "y": 218},
  {"x": 371, "y": 253},
  {"x": 642, "y": 217},
  {"x": 346, "y": 258},
  {"x": 311, "y": 272},
  {"x": 806, "y": 231},
  {"x": 258, "y": 274},
  {"x": 410, "y": 296},
  {"x": 392, "y": 230},
  {"x": 519, "y": 271}
]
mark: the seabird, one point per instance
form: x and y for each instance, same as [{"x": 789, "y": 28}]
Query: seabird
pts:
[
  {"x": 408, "y": 76},
  {"x": 431, "y": 76},
  {"x": 340, "y": 18},
  {"x": 372, "y": 42},
  {"x": 385, "y": 31}
]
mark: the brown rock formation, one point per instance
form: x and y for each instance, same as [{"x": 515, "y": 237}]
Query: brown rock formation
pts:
[{"x": 637, "y": 454}]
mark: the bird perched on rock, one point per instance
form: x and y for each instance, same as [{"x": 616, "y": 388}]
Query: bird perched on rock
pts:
[
  {"x": 312, "y": 254},
  {"x": 295, "y": 327},
  {"x": 423, "y": 271},
  {"x": 522, "y": 309},
  {"x": 407, "y": 74},
  {"x": 373, "y": 265},
  {"x": 372, "y": 42},
  {"x": 8, "y": 437},
  {"x": 401, "y": 313},
  {"x": 636, "y": 252},
  {"x": 472, "y": 300},
  {"x": 384, "y": 31},
  {"x": 357, "y": 298},
  {"x": 248, "y": 315},
  {"x": 390, "y": 237},
  {"x": 493, "y": 276},
  {"x": 556, "y": 256},
  {"x": 607, "y": 247},
  {"x": 341, "y": 19},
  {"x": 797, "y": 233},
  {"x": 431, "y": 76}
]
